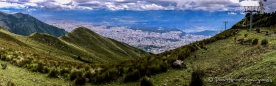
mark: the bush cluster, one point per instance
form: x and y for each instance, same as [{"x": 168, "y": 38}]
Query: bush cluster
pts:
[
  {"x": 258, "y": 30},
  {"x": 79, "y": 77},
  {"x": 255, "y": 41},
  {"x": 145, "y": 81},
  {"x": 4, "y": 66},
  {"x": 53, "y": 73},
  {"x": 264, "y": 42},
  {"x": 196, "y": 79}
]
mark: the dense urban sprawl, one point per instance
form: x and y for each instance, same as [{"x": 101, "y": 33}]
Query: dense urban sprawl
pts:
[{"x": 150, "y": 41}]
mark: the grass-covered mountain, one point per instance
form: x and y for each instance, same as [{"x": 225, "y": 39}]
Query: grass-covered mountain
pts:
[
  {"x": 232, "y": 54},
  {"x": 85, "y": 45},
  {"x": 102, "y": 47},
  {"x": 25, "y": 24},
  {"x": 80, "y": 48}
]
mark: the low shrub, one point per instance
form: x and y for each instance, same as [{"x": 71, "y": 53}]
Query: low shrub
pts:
[
  {"x": 46, "y": 70},
  {"x": 145, "y": 81},
  {"x": 80, "y": 81},
  {"x": 113, "y": 74},
  {"x": 164, "y": 67},
  {"x": 267, "y": 33},
  {"x": 154, "y": 69},
  {"x": 53, "y": 73},
  {"x": 24, "y": 62},
  {"x": 99, "y": 78},
  {"x": 264, "y": 42},
  {"x": 258, "y": 30},
  {"x": 4, "y": 66},
  {"x": 74, "y": 75},
  {"x": 3, "y": 57},
  {"x": 88, "y": 75},
  {"x": 255, "y": 41},
  {"x": 10, "y": 83},
  {"x": 196, "y": 79},
  {"x": 134, "y": 76},
  {"x": 40, "y": 68},
  {"x": 245, "y": 35},
  {"x": 64, "y": 71}
]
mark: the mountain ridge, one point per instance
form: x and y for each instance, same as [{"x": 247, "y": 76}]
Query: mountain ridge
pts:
[
  {"x": 25, "y": 24},
  {"x": 89, "y": 40}
]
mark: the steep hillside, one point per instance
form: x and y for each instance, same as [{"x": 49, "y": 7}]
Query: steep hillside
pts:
[
  {"x": 22, "y": 60},
  {"x": 232, "y": 54},
  {"x": 25, "y": 24},
  {"x": 56, "y": 58},
  {"x": 54, "y": 45},
  {"x": 259, "y": 20},
  {"x": 100, "y": 46}
]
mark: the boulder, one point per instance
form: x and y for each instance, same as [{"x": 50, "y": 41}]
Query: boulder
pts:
[{"x": 179, "y": 64}]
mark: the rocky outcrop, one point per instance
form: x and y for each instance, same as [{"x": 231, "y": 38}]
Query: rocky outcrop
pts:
[{"x": 179, "y": 64}]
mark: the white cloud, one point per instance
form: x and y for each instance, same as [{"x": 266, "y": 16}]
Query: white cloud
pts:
[
  {"x": 249, "y": 3},
  {"x": 8, "y": 5},
  {"x": 207, "y": 5},
  {"x": 232, "y": 13}
]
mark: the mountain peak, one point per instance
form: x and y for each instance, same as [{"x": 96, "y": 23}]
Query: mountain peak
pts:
[
  {"x": 19, "y": 15},
  {"x": 103, "y": 47},
  {"x": 24, "y": 24},
  {"x": 81, "y": 29},
  {"x": 84, "y": 31}
]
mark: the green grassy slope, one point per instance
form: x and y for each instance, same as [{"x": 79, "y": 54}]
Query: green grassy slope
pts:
[
  {"x": 228, "y": 58},
  {"x": 53, "y": 57},
  {"x": 225, "y": 59},
  {"x": 100, "y": 46},
  {"x": 220, "y": 56},
  {"x": 21, "y": 76},
  {"x": 54, "y": 45}
]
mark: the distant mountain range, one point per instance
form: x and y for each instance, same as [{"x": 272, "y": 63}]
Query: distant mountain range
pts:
[
  {"x": 205, "y": 33},
  {"x": 25, "y": 24},
  {"x": 154, "y": 29}
]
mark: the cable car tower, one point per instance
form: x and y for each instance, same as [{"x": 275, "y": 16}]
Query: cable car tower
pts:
[{"x": 253, "y": 7}]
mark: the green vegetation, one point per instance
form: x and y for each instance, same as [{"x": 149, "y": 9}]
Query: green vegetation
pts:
[
  {"x": 4, "y": 66},
  {"x": 74, "y": 60},
  {"x": 145, "y": 81},
  {"x": 264, "y": 42},
  {"x": 255, "y": 41},
  {"x": 55, "y": 57},
  {"x": 196, "y": 79},
  {"x": 100, "y": 48}
]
